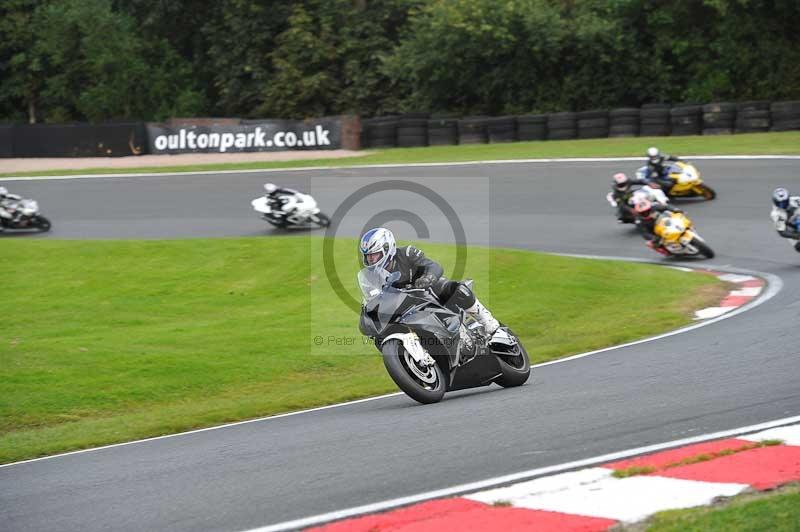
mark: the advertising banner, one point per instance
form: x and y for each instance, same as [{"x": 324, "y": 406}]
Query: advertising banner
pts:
[{"x": 249, "y": 136}]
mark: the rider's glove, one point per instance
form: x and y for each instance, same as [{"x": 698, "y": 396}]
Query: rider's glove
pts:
[{"x": 425, "y": 281}]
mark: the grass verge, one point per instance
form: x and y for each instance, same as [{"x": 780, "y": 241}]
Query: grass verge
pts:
[
  {"x": 777, "y": 511},
  {"x": 110, "y": 341},
  {"x": 785, "y": 143}
]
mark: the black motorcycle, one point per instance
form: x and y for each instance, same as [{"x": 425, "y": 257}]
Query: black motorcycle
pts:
[{"x": 429, "y": 349}]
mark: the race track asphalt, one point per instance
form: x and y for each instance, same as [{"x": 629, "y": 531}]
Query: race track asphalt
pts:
[{"x": 735, "y": 372}]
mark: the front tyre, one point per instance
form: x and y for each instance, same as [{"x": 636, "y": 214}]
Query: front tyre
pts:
[
  {"x": 424, "y": 384},
  {"x": 706, "y": 251},
  {"x": 516, "y": 368},
  {"x": 322, "y": 220},
  {"x": 706, "y": 191},
  {"x": 42, "y": 223}
]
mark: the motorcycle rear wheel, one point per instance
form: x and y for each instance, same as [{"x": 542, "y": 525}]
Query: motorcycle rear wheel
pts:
[
  {"x": 703, "y": 247},
  {"x": 516, "y": 369},
  {"x": 396, "y": 360}
]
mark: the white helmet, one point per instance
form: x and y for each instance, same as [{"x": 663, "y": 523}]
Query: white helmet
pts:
[
  {"x": 780, "y": 197},
  {"x": 653, "y": 154},
  {"x": 3, "y": 191},
  {"x": 270, "y": 188},
  {"x": 377, "y": 248}
]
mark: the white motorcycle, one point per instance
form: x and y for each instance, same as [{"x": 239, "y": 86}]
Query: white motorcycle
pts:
[
  {"x": 23, "y": 214},
  {"x": 304, "y": 213}
]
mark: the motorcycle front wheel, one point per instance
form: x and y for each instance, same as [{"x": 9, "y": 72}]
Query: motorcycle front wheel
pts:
[
  {"x": 706, "y": 191},
  {"x": 706, "y": 251},
  {"x": 516, "y": 368},
  {"x": 322, "y": 219},
  {"x": 42, "y": 223},
  {"x": 424, "y": 384}
]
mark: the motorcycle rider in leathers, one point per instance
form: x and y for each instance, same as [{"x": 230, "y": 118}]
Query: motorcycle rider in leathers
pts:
[
  {"x": 7, "y": 200},
  {"x": 786, "y": 215},
  {"x": 655, "y": 168},
  {"x": 285, "y": 200},
  {"x": 379, "y": 250},
  {"x": 647, "y": 215}
]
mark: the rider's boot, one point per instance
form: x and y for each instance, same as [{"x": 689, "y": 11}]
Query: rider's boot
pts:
[
  {"x": 797, "y": 246},
  {"x": 484, "y": 317}
]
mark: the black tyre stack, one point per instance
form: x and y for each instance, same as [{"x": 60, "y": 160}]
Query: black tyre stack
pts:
[
  {"x": 623, "y": 122},
  {"x": 718, "y": 118},
  {"x": 785, "y": 116},
  {"x": 654, "y": 120},
  {"x": 752, "y": 117},
  {"x": 501, "y": 129},
  {"x": 412, "y": 130},
  {"x": 532, "y": 127},
  {"x": 686, "y": 119},
  {"x": 562, "y": 126},
  {"x": 382, "y": 132},
  {"x": 443, "y": 130},
  {"x": 472, "y": 130},
  {"x": 592, "y": 124}
]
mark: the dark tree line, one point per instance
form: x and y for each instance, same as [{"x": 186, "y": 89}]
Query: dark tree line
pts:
[{"x": 102, "y": 60}]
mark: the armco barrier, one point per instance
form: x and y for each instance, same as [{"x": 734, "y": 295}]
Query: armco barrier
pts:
[{"x": 77, "y": 140}]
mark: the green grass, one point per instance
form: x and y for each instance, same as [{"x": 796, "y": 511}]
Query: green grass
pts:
[
  {"x": 786, "y": 143},
  {"x": 108, "y": 341},
  {"x": 773, "y": 512}
]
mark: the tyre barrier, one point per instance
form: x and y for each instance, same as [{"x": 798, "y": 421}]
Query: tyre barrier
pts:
[
  {"x": 655, "y": 120},
  {"x": 472, "y": 130},
  {"x": 752, "y": 117},
  {"x": 718, "y": 118},
  {"x": 686, "y": 119},
  {"x": 501, "y": 129},
  {"x": 532, "y": 127},
  {"x": 592, "y": 124},
  {"x": 412, "y": 131},
  {"x": 624, "y": 122},
  {"x": 443, "y": 131},
  {"x": 382, "y": 131},
  {"x": 562, "y": 126},
  {"x": 785, "y": 116}
]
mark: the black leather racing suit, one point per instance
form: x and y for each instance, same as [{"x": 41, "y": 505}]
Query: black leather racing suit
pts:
[
  {"x": 655, "y": 171},
  {"x": 418, "y": 271}
]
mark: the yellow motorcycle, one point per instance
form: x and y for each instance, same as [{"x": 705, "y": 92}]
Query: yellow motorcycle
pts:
[
  {"x": 678, "y": 236},
  {"x": 686, "y": 181}
]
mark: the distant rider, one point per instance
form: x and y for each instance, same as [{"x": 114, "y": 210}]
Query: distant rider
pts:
[
  {"x": 285, "y": 200},
  {"x": 656, "y": 163},
  {"x": 647, "y": 215},
  {"x": 7, "y": 202},
  {"x": 379, "y": 250},
  {"x": 785, "y": 215}
]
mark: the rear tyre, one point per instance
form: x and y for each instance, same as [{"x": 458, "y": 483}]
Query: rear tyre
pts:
[
  {"x": 423, "y": 384},
  {"x": 43, "y": 224},
  {"x": 706, "y": 251},
  {"x": 516, "y": 368}
]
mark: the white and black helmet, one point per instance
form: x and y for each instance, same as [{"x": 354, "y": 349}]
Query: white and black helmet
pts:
[
  {"x": 3, "y": 192},
  {"x": 653, "y": 155},
  {"x": 270, "y": 188},
  {"x": 780, "y": 197},
  {"x": 378, "y": 248}
]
